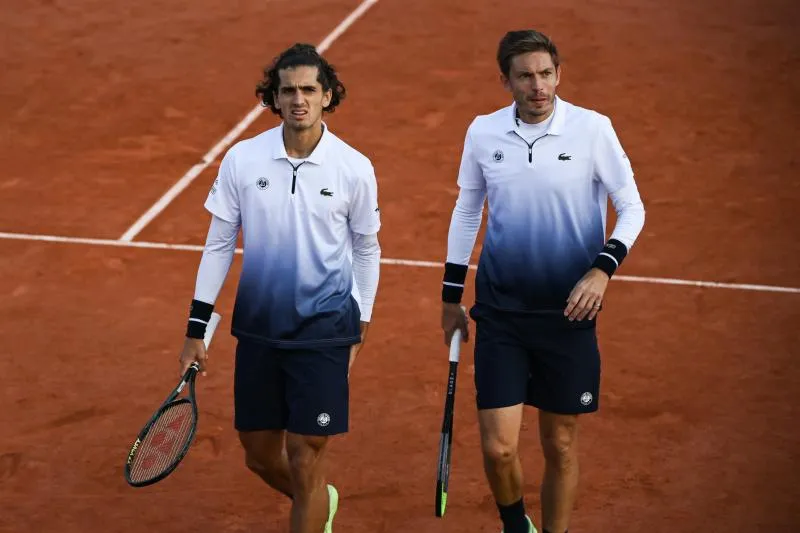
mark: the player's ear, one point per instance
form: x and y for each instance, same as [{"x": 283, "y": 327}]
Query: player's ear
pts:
[
  {"x": 327, "y": 96},
  {"x": 505, "y": 81},
  {"x": 558, "y": 75}
]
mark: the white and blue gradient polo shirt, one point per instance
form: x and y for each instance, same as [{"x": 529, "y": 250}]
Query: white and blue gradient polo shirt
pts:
[
  {"x": 297, "y": 217},
  {"x": 547, "y": 199}
]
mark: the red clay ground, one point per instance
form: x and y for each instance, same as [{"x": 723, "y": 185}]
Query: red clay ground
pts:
[{"x": 109, "y": 104}]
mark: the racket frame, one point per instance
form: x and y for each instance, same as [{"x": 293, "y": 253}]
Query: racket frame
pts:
[
  {"x": 188, "y": 378},
  {"x": 446, "y": 439}
]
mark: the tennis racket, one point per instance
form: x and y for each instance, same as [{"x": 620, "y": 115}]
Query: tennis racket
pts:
[
  {"x": 446, "y": 440},
  {"x": 163, "y": 442}
]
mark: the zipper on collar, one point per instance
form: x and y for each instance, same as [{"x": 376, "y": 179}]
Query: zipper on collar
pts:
[
  {"x": 530, "y": 145},
  {"x": 294, "y": 174}
]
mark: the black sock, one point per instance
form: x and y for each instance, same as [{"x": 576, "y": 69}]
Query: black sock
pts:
[{"x": 513, "y": 517}]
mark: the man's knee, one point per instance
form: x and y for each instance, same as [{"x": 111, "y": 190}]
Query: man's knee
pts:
[
  {"x": 305, "y": 453},
  {"x": 500, "y": 434},
  {"x": 499, "y": 451},
  {"x": 263, "y": 451},
  {"x": 559, "y": 438},
  {"x": 261, "y": 465}
]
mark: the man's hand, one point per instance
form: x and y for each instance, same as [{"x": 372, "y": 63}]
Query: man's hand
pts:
[
  {"x": 585, "y": 299},
  {"x": 453, "y": 318},
  {"x": 193, "y": 350},
  {"x": 354, "y": 349}
]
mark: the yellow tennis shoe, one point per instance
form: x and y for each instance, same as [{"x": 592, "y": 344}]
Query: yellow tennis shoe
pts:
[{"x": 333, "y": 506}]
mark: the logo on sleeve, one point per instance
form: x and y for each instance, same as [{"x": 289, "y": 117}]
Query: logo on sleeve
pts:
[
  {"x": 214, "y": 186},
  {"x": 498, "y": 156},
  {"x": 262, "y": 183}
]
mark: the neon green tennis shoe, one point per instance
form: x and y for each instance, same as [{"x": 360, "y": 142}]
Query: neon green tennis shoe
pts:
[{"x": 333, "y": 506}]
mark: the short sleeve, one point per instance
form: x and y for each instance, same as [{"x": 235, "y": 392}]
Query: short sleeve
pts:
[
  {"x": 470, "y": 175},
  {"x": 223, "y": 198},
  {"x": 365, "y": 216},
  {"x": 611, "y": 164}
]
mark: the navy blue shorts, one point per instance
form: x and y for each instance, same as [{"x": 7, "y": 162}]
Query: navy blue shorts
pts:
[
  {"x": 304, "y": 391},
  {"x": 543, "y": 361}
]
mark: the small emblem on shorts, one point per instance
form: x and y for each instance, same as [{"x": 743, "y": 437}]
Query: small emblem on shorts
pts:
[
  {"x": 498, "y": 156},
  {"x": 324, "y": 419},
  {"x": 262, "y": 183},
  {"x": 586, "y": 398}
]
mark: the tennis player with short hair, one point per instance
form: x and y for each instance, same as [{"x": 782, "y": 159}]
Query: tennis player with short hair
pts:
[
  {"x": 547, "y": 168},
  {"x": 307, "y": 205}
]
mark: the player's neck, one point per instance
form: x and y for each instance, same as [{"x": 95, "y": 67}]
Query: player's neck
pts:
[
  {"x": 528, "y": 118},
  {"x": 300, "y": 143}
]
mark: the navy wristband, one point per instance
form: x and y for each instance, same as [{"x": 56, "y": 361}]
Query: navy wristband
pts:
[
  {"x": 453, "y": 283},
  {"x": 611, "y": 257},
  {"x": 199, "y": 315}
]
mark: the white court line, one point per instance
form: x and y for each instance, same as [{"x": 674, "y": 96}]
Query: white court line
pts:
[
  {"x": 231, "y": 136},
  {"x": 387, "y": 261}
]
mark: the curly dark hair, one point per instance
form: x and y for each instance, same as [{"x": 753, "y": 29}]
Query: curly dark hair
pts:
[{"x": 298, "y": 55}]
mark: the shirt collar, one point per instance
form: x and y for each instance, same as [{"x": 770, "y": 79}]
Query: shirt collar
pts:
[
  {"x": 317, "y": 156},
  {"x": 556, "y": 125}
]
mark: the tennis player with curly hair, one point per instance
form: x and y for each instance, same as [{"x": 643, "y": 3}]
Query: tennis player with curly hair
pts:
[{"x": 307, "y": 205}]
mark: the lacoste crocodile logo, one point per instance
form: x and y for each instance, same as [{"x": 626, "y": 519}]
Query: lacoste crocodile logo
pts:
[{"x": 326, "y": 192}]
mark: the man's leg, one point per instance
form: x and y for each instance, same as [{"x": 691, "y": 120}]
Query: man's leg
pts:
[
  {"x": 502, "y": 367},
  {"x": 307, "y": 465},
  {"x": 565, "y": 383},
  {"x": 499, "y": 443},
  {"x": 265, "y": 456},
  {"x": 559, "y": 437},
  {"x": 260, "y": 413},
  {"x": 317, "y": 395}
]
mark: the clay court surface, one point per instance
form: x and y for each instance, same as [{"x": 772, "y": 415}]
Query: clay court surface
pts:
[{"x": 105, "y": 105}]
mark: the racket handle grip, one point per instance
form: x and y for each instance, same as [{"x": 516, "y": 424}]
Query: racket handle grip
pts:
[
  {"x": 455, "y": 342},
  {"x": 455, "y": 346},
  {"x": 213, "y": 322}
]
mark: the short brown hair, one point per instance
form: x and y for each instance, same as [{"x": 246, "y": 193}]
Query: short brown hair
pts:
[{"x": 519, "y": 42}]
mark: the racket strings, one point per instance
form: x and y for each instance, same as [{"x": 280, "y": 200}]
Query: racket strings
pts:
[{"x": 164, "y": 443}]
